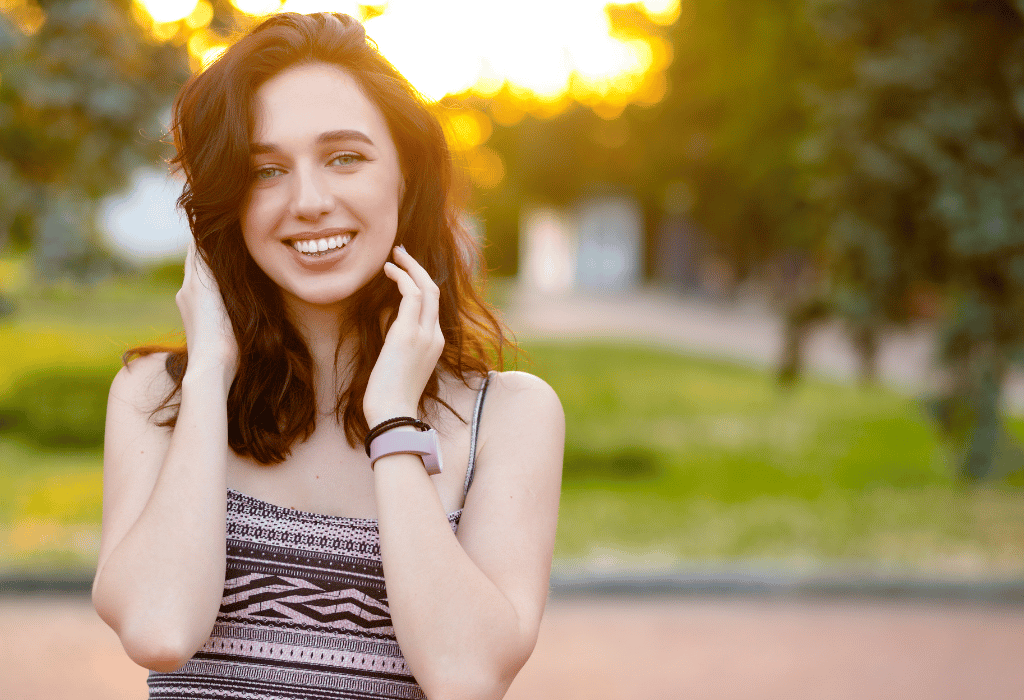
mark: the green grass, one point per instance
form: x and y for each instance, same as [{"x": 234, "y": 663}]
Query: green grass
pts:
[
  {"x": 669, "y": 459},
  {"x": 673, "y": 459}
]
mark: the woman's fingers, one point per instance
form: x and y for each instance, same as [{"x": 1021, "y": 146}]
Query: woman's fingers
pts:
[
  {"x": 411, "y": 347},
  {"x": 409, "y": 308},
  {"x": 208, "y": 329},
  {"x": 430, "y": 293},
  {"x": 190, "y": 256}
]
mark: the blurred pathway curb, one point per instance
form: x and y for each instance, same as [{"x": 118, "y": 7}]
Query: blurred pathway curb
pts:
[
  {"x": 743, "y": 332},
  {"x": 746, "y": 582},
  {"x": 762, "y": 583}
]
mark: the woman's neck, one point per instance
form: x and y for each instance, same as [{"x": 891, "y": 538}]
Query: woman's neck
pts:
[{"x": 322, "y": 329}]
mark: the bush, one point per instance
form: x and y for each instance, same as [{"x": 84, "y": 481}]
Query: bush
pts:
[{"x": 58, "y": 406}]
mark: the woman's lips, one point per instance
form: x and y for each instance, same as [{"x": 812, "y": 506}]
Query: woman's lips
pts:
[
  {"x": 308, "y": 249},
  {"x": 315, "y": 247}
]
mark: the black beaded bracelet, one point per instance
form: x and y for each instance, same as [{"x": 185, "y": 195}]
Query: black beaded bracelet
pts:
[{"x": 388, "y": 425}]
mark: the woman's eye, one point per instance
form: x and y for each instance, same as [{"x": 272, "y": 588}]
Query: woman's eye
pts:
[
  {"x": 267, "y": 173},
  {"x": 345, "y": 159}
]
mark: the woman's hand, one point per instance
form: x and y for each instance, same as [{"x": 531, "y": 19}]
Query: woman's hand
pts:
[
  {"x": 411, "y": 348},
  {"x": 211, "y": 340}
]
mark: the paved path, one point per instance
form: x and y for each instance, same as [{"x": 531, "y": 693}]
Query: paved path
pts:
[
  {"x": 744, "y": 332},
  {"x": 666, "y": 649}
]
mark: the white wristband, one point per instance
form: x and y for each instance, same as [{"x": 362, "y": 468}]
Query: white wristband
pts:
[{"x": 422, "y": 443}]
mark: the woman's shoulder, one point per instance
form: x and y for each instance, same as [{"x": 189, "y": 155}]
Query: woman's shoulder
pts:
[
  {"x": 144, "y": 381},
  {"x": 522, "y": 397}
]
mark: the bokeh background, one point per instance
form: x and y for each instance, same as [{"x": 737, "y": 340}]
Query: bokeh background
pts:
[{"x": 770, "y": 255}]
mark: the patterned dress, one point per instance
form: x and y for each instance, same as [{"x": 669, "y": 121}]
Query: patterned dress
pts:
[{"x": 305, "y": 610}]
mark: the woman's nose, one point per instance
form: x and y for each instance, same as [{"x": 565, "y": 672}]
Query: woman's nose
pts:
[{"x": 312, "y": 196}]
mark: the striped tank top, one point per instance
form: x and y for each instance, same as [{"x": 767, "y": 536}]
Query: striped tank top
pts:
[{"x": 305, "y": 610}]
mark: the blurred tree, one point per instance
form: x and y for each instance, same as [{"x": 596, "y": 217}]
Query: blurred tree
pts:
[
  {"x": 731, "y": 125},
  {"x": 82, "y": 89},
  {"x": 584, "y": 143},
  {"x": 727, "y": 149},
  {"x": 723, "y": 148},
  {"x": 877, "y": 145},
  {"x": 920, "y": 145}
]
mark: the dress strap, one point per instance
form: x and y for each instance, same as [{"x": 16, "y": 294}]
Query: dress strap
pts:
[{"x": 473, "y": 430}]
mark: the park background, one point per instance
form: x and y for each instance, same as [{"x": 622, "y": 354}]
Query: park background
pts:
[{"x": 770, "y": 255}]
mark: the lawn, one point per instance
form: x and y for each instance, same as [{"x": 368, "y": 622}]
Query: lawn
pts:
[{"x": 669, "y": 459}]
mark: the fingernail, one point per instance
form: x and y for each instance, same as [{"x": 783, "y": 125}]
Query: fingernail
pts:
[{"x": 402, "y": 248}]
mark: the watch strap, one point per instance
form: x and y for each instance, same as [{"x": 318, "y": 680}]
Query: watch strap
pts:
[
  {"x": 422, "y": 443},
  {"x": 388, "y": 425}
]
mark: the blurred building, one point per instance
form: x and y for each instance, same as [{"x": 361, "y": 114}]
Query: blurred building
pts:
[{"x": 596, "y": 245}]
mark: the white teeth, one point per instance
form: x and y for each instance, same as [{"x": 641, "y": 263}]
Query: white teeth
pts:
[{"x": 320, "y": 245}]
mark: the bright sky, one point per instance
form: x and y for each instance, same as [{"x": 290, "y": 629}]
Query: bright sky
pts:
[
  {"x": 449, "y": 46},
  {"x": 142, "y": 223}
]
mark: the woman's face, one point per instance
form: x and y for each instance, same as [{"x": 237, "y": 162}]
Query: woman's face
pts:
[{"x": 322, "y": 210}]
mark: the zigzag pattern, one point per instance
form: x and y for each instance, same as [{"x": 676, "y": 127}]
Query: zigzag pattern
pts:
[
  {"x": 297, "y": 621},
  {"x": 303, "y": 602}
]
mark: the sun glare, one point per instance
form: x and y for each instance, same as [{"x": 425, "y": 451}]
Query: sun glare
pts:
[
  {"x": 257, "y": 7},
  {"x": 163, "y": 11},
  {"x": 308, "y": 6},
  {"x": 532, "y": 56},
  {"x": 542, "y": 50}
]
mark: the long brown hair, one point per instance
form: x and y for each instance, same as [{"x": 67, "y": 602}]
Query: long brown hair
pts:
[{"x": 271, "y": 402}]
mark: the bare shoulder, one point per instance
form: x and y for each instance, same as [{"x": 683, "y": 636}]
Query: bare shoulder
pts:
[
  {"x": 522, "y": 438},
  {"x": 136, "y": 392},
  {"x": 511, "y": 513},
  {"x": 141, "y": 385},
  {"x": 520, "y": 397}
]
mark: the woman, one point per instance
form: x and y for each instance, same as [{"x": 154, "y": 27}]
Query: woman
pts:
[{"x": 247, "y": 537}]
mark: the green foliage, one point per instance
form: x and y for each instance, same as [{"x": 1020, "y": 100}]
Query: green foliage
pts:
[
  {"x": 876, "y": 144},
  {"x": 58, "y": 407},
  {"x": 723, "y": 147},
  {"x": 730, "y": 130},
  {"x": 80, "y": 99},
  {"x": 922, "y": 171}
]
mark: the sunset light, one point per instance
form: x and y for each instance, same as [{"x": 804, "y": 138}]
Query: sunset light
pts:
[
  {"x": 543, "y": 51},
  {"x": 170, "y": 10},
  {"x": 525, "y": 57}
]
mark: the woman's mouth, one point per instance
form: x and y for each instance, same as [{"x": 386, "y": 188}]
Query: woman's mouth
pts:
[{"x": 318, "y": 247}]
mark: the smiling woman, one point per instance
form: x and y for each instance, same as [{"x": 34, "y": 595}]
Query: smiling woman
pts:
[
  {"x": 275, "y": 524},
  {"x": 321, "y": 154}
]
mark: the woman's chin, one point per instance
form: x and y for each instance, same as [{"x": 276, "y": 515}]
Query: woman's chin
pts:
[{"x": 318, "y": 299}]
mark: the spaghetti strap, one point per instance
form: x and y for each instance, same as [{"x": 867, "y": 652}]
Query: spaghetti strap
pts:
[{"x": 473, "y": 430}]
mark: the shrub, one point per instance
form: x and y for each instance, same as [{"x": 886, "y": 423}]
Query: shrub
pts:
[{"x": 58, "y": 406}]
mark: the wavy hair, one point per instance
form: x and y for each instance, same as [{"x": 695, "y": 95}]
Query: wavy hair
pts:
[{"x": 271, "y": 403}]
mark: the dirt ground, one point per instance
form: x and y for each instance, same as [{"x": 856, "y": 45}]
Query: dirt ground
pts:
[{"x": 56, "y": 648}]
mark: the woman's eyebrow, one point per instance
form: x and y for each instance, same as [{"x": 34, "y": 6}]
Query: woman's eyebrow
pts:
[
  {"x": 344, "y": 135},
  {"x": 326, "y": 137}
]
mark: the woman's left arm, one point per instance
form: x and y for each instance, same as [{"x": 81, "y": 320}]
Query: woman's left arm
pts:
[{"x": 467, "y": 610}]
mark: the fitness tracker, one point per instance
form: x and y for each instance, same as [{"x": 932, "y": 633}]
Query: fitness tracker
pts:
[{"x": 382, "y": 440}]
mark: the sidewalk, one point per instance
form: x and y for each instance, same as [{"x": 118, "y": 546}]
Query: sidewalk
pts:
[
  {"x": 628, "y": 649},
  {"x": 745, "y": 332}
]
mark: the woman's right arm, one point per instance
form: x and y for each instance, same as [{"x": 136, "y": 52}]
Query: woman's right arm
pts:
[{"x": 160, "y": 575}]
